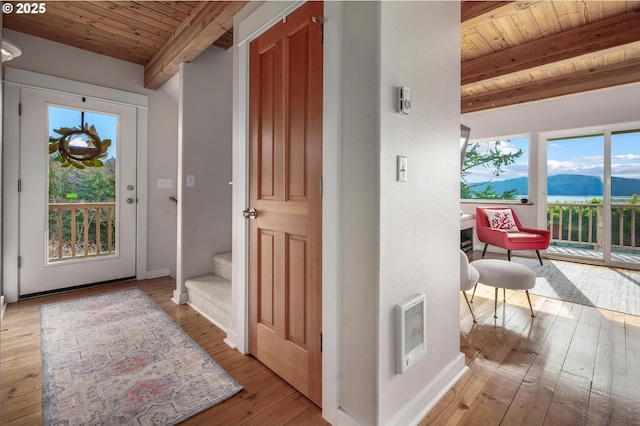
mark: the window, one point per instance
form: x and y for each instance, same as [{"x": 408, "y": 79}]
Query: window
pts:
[{"x": 496, "y": 170}]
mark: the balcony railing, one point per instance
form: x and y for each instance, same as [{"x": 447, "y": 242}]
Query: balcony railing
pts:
[
  {"x": 582, "y": 224},
  {"x": 81, "y": 230}
]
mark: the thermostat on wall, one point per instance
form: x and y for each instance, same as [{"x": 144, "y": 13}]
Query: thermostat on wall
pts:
[{"x": 404, "y": 100}]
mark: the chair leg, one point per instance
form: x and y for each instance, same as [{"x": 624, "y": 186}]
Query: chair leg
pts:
[
  {"x": 509, "y": 255},
  {"x": 504, "y": 294},
  {"x": 485, "y": 249},
  {"x": 495, "y": 305},
  {"x": 474, "y": 292},
  {"x": 539, "y": 258},
  {"x": 469, "y": 305},
  {"x": 530, "y": 307}
]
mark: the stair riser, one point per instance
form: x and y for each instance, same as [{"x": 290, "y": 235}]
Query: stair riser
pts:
[{"x": 222, "y": 265}]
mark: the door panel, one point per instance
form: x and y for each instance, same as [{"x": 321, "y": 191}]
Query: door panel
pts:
[
  {"x": 285, "y": 130},
  {"x": 75, "y": 224}
]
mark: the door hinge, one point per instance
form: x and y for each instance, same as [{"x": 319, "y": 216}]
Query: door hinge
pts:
[
  {"x": 320, "y": 20},
  {"x": 320, "y": 342},
  {"x": 20, "y": 108},
  {"x": 19, "y": 262},
  {"x": 321, "y": 188},
  {"x": 19, "y": 185}
]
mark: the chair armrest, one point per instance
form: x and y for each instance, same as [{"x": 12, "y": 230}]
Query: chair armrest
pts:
[{"x": 545, "y": 233}]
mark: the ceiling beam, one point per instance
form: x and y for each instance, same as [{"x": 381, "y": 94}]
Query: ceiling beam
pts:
[
  {"x": 208, "y": 21},
  {"x": 601, "y": 35},
  {"x": 473, "y": 9},
  {"x": 601, "y": 78}
]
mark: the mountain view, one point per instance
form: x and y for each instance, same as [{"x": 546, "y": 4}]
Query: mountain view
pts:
[{"x": 566, "y": 184}]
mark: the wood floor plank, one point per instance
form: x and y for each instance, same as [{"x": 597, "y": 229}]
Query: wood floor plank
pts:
[
  {"x": 581, "y": 356},
  {"x": 496, "y": 396},
  {"x": 570, "y": 401},
  {"x": 532, "y": 400},
  {"x": 609, "y": 386}
]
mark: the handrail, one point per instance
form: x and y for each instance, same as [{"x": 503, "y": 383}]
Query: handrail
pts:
[
  {"x": 583, "y": 224},
  {"x": 93, "y": 236}
]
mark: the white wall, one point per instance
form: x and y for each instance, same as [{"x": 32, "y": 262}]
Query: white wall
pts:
[
  {"x": 419, "y": 222},
  {"x": 587, "y": 110},
  {"x": 58, "y": 60},
  {"x": 204, "y": 222}
]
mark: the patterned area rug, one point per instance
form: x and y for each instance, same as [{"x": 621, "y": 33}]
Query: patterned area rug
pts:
[
  {"x": 118, "y": 359},
  {"x": 603, "y": 287}
]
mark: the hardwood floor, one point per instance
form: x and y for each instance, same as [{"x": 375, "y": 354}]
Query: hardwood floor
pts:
[
  {"x": 569, "y": 365},
  {"x": 266, "y": 399}
]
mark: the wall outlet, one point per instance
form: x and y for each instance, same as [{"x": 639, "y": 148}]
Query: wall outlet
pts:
[{"x": 191, "y": 180}]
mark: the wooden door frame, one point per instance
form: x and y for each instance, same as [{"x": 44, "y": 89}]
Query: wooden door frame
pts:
[
  {"x": 16, "y": 79},
  {"x": 249, "y": 24}
]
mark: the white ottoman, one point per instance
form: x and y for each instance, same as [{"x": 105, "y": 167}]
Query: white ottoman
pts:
[{"x": 506, "y": 275}]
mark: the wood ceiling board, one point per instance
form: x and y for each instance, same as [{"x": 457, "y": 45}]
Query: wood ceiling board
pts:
[
  {"x": 601, "y": 78},
  {"x": 208, "y": 22},
  {"x": 82, "y": 16},
  {"x": 590, "y": 39},
  {"x": 53, "y": 29},
  {"x": 127, "y": 17}
]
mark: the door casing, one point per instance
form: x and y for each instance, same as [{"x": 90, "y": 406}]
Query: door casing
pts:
[{"x": 14, "y": 80}]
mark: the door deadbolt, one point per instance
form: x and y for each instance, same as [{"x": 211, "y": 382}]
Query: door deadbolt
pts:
[
  {"x": 130, "y": 187},
  {"x": 250, "y": 214}
]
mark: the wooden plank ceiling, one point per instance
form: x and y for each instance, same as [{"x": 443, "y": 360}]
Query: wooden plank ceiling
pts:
[
  {"x": 522, "y": 51},
  {"x": 511, "y": 51},
  {"x": 157, "y": 34}
]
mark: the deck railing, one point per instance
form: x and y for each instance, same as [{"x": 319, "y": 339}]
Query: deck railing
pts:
[
  {"x": 582, "y": 224},
  {"x": 81, "y": 230}
]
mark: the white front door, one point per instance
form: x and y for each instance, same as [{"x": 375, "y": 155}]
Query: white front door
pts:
[{"x": 78, "y": 195}]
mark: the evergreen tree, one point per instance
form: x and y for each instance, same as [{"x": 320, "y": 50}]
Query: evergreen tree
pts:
[{"x": 494, "y": 158}]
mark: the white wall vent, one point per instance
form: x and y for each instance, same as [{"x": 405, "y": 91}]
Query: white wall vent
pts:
[{"x": 410, "y": 332}]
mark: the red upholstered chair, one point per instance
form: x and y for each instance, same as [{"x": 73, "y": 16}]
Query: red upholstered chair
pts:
[{"x": 500, "y": 227}]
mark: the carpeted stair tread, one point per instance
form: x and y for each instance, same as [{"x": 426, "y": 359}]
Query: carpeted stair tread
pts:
[
  {"x": 211, "y": 295},
  {"x": 222, "y": 265}
]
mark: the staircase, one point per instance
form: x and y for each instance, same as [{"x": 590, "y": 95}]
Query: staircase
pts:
[{"x": 210, "y": 294}]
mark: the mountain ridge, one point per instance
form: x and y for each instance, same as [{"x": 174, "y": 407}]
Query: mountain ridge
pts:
[{"x": 567, "y": 184}]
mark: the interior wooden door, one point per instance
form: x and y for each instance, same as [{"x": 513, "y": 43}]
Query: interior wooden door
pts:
[{"x": 285, "y": 240}]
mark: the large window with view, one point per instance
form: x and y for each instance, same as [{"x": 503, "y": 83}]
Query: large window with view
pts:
[{"x": 496, "y": 170}]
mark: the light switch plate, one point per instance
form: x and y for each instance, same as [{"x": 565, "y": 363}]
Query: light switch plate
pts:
[
  {"x": 191, "y": 180},
  {"x": 165, "y": 183},
  {"x": 401, "y": 168}
]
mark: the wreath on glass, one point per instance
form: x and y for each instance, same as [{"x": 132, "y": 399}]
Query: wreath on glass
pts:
[{"x": 79, "y": 147}]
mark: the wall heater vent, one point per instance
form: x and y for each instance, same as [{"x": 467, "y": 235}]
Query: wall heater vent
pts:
[{"x": 410, "y": 332}]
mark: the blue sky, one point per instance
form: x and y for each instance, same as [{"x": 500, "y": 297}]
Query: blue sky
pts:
[
  {"x": 586, "y": 156},
  {"x": 583, "y": 156},
  {"x": 106, "y": 125}
]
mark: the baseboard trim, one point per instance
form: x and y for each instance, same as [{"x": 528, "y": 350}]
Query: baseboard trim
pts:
[
  {"x": 180, "y": 298},
  {"x": 429, "y": 396},
  {"x": 232, "y": 339},
  {"x": 216, "y": 323},
  {"x": 158, "y": 273},
  {"x": 345, "y": 419}
]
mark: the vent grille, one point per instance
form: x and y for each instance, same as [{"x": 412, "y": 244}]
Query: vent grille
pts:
[
  {"x": 414, "y": 327},
  {"x": 410, "y": 331}
]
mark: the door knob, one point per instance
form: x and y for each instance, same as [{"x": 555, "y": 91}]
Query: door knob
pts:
[
  {"x": 129, "y": 200},
  {"x": 250, "y": 214}
]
